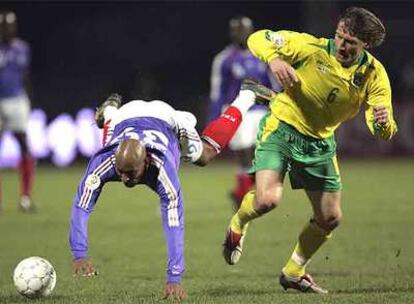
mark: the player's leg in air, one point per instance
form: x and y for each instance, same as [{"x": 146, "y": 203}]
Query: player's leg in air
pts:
[
  {"x": 104, "y": 113},
  {"x": 218, "y": 133}
]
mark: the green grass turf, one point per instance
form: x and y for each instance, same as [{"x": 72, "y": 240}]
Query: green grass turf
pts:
[{"x": 370, "y": 259}]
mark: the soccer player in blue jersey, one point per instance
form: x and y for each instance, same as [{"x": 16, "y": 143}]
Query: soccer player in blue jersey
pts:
[
  {"x": 230, "y": 67},
  {"x": 143, "y": 143},
  {"x": 14, "y": 102}
]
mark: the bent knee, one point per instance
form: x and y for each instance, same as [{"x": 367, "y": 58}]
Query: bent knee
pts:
[
  {"x": 329, "y": 222},
  {"x": 267, "y": 200}
]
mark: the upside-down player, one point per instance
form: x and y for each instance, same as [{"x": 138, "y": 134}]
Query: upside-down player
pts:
[
  {"x": 143, "y": 142},
  {"x": 326, "y": 82}
]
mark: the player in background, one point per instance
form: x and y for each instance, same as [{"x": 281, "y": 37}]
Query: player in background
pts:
[
  {"x": 143, "y": 143},
  {"x": 14, "y": 100},
  {"x": 230, "y": 67},
  {"x": 326, "y": 82}
]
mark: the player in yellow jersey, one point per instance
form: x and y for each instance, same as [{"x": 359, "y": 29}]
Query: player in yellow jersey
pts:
[{"x": 326, "y": 82}]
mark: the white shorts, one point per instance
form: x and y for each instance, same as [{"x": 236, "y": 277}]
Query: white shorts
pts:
[
  {"x": 14, "y": 113},
  {"x": 245, "y": 136}
]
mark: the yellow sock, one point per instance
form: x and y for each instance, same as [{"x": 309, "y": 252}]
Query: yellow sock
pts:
[
  {"x": 245, "y": 213},
  {"x": 310, "y": 240}
]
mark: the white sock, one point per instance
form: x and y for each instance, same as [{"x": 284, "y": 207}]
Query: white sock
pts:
[
  {"x": 190, "y": 142},
  {"x": 244, "y": 101},
  {"x": 109, "y": 112}
]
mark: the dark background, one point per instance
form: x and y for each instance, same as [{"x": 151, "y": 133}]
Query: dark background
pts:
[{"x": 163, "y": 50}]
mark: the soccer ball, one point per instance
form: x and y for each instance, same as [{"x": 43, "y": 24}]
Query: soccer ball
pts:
[{"x": 34, "y": 277}]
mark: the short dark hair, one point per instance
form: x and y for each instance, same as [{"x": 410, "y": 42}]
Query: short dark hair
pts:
[{"x": 364, "y": 25}]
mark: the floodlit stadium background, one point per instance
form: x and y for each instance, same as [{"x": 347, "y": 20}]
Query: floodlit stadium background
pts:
[{"x": 81, "y": 52}]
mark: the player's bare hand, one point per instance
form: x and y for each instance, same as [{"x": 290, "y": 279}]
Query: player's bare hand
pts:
[
  {"x": 381, "y": 115},
  {"x": 284, "y": 73},
  {"x": 84, "y": 268},
  {"x": 174, "y": 292}
]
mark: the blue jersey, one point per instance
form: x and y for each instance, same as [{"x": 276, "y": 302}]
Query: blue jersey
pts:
[
  {"x": 230, "y": 67},
  {"x": 160, "y": 140},
  {"x": 14, "y": 64}
]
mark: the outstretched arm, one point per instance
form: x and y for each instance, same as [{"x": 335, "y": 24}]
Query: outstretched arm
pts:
[
  {"x": 378, "y": 111},
  {"x": 100, "y": 170},
  {"x": 172, "y": 214}
]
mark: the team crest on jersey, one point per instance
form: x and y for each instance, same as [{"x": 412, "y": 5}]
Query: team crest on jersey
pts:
[
  {"x": 277, "y": 39},
  {"x": 93, "y": 181},
  {"x": 322, "y": 66}
]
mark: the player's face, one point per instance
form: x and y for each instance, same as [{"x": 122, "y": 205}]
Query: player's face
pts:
[
  {"x": 348, "y": 47},
  {"x": 8, "y": 26},
  {"x": 131, "y": 175}
]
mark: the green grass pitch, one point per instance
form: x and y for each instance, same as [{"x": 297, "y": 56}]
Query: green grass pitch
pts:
[{"x": 370, "y": 258}]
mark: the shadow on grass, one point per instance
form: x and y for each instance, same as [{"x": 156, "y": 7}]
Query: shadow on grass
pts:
[
  {"x": 128, "y": 297},
  {"x": 375, "y": 290},
  {"x": 238, "y": 291},
  {"x": 331, "y": 274}
]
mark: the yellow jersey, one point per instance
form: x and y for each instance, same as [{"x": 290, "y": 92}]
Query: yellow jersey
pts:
[{"x": 327, "y": 93}]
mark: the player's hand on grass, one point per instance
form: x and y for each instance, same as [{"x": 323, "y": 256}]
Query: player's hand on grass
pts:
[
  {"x": 380, "y": 116},
  {"x": 84, "y": 268},
  {"x": 174, "y": 291},
  {"x": 284, "y": 73}
]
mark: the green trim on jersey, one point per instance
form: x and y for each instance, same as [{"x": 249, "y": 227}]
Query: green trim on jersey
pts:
[
  {"x": 298, "y": 64},
  {"x": 332, "y": 47},
  {"x": 310, "y": 162}
]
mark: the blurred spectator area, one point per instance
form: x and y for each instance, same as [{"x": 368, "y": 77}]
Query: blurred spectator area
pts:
[{"x": 61, "y": 140}]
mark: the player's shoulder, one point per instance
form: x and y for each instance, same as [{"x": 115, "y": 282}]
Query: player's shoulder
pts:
[
  {"x": 374, "y": 62},
  {"x": 224, "y": 55},
  {"x": 307, "y": 43},
  {"x": 377, "y": 69},
  {"x": 20, "y": 44},
  {"x": 301, "y": 39}
]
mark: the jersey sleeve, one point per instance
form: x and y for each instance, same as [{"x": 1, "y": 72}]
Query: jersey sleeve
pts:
[
  {"x": 191, "y": 146},
  {"x": 287, "y": 45},
  {"x": 219, "y": 81},
  {"x": 379, "y": 93},
  {"x": 23, "y": 51},
  {"x": 25, "y": 55},
  {"x": 172, "y": 213},
  {"x": 99, "y": 171}
]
